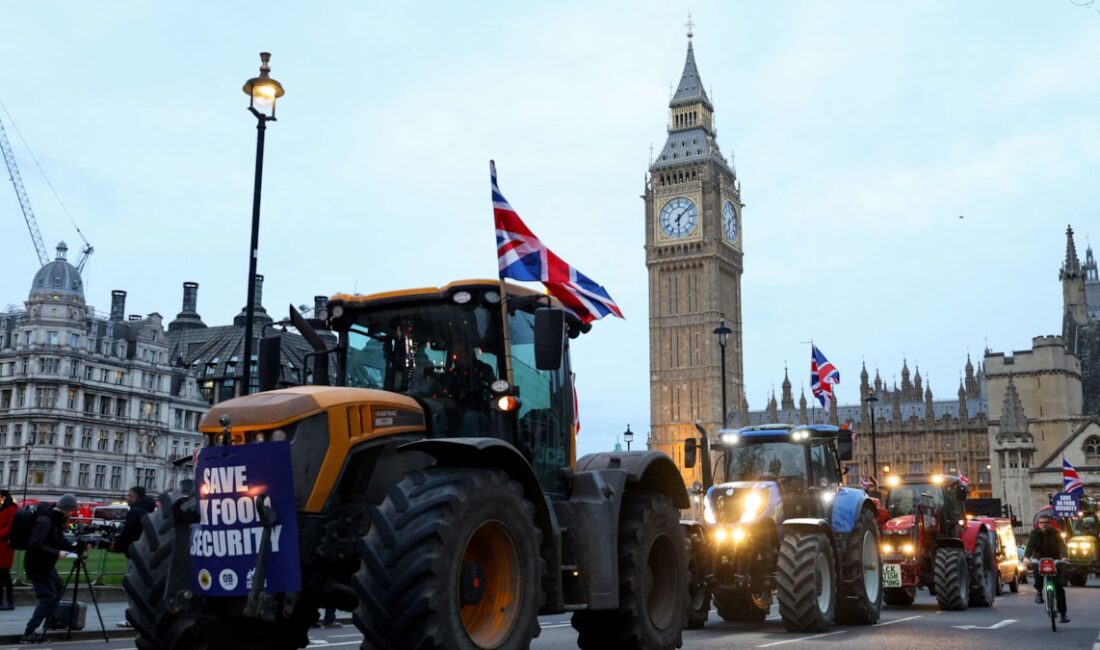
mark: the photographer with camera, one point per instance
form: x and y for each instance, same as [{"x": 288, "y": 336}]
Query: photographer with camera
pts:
[
  {"x": 45, "y": 546},
  {"x": 140, "y": 505}
]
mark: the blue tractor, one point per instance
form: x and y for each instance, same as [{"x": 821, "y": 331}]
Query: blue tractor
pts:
[{"x": 777, "y": 520}]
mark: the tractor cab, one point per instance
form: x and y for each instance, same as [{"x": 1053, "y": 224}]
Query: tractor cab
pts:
[{"x": 938, "y": 500}]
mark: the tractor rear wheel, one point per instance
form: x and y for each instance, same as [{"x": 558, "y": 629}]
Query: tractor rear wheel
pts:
[
  {"x": 952, "y": 581},
  {"x": 699, "y": 596},
  {"x": 743, "y": 607},
  {"x": 899, "y": 595},
  {"x": 1078, "y": 579},
  {"x": 984, "y": 580},
  {"x": 861, "y": 601},
  {"x": 806, "y": 577},
  {"x": 653, "y": 585},
  {"x": 451, "y": 560},
  {"x": 1014, "y": 586},
  {"x": 145, "y": 582}
]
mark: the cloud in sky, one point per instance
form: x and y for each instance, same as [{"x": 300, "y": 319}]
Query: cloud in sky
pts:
[{"x": 861, "y": 131}]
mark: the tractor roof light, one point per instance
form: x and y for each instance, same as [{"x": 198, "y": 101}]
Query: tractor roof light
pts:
[
  {"x": 893, "y": 481},
  {"x": 729, "y": 437}
]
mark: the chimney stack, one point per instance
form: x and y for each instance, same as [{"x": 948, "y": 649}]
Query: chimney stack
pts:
[
  {"x": 118, "y": 305},
  {"x": 189, "y": 317},
  {"x": 260, "y": 317}
]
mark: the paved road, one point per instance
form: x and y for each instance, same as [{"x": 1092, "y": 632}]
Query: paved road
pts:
[{"x": 1014, "y": 622}]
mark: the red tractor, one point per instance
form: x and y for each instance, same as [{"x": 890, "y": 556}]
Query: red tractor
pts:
[{"x": 928, "y": 541}]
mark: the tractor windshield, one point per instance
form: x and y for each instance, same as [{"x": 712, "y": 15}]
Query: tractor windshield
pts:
[
  {"x": 767, "y": 461},
  {"x": 903, "y": 499},
  {"x": 447, "y": 354}
]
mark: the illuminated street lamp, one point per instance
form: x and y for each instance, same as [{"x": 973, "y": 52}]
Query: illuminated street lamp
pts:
[
  {"x": 628, "y": 436},
  {"x": 262, "y": 93},
  {"x": 723, "y": 332}
]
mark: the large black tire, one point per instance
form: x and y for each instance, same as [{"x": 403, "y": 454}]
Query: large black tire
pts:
[
  {"x": 442, "y": 535},
  {"x": 698, "y": 601},
  {"x": 653, "y": 585},
  {"x": 1014, "y": 586},
  {"x": 1077, "y": 579},
  {"x": 952, "y": 581},
  {"x": 861, "y": 601},
  {"x": 983, "y": 579},
  {"x": 806, "y": 578},
  {"x": 145, "y": 582},
  {"x": 899, "y": 595},
  {"x": 743, "y": 607}
]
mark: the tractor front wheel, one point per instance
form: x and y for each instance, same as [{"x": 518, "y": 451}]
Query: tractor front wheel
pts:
[
  {"x": 1078, "y": 579},
  {"x": 952, "y": 582},
  {"x": 146, "y": 577},
  {"x": 653, "y": 584},
  {"x": 806, "y": 577},
  {"x": 743, "y": 607},
  {"x": 699, "y": 596},
  {"x": 861, "y": 602},
  {"x": 451, "y": 560},
  {"x": 984, "y": 579}
]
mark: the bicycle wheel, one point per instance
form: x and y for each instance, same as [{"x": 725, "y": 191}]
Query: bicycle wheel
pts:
[{"x": 1050, "y": 605}]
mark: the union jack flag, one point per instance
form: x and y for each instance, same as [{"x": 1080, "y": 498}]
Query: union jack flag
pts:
[
  {"x": 963, "y": 481},
  {"x": 521, "y": 256},
  {"x": 823, "y": 376},
  {"x": 865, "y": 483},
  {"x": 1071, "y": 482}
]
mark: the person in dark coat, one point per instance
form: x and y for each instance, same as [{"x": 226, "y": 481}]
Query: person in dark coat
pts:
[
  {"x": 140, "y": 505},
  {"x": 1047, "y": 542},
  {"x": 7, "y": 554},
  {"x": 45, "y": 546}
]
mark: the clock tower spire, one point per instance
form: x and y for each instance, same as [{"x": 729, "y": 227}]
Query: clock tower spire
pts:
[{"x": 694, "y": 260}]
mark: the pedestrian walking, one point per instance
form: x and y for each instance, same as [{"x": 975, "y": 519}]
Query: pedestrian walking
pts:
[
  {"x": 329, "y": 619},
  {"x": 140, "y": 505},
  {"x": 45, "y": 546},
  {"x": 7, "y": 554}
]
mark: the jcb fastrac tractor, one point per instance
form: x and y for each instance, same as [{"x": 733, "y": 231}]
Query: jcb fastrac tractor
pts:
[
  {"x": 778, "y": 520},
  {"x": 437, "y": 492},
  {"x": 930, "y": 542},
  {"x": 1083, "y": 543}
]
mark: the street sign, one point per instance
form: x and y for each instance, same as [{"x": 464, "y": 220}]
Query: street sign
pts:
[
  {"x": 226, "y": 542},
  {"x": 1066, "y": 505}
]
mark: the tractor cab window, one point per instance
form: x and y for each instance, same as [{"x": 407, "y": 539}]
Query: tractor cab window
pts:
[
  {"x": 447, "y": 355},
  {"x": 783, "y": 462},
  {"x": 825, "y": 469},
  {"x": 545, "y": 417},
  {"x": 902, "y": 500}
]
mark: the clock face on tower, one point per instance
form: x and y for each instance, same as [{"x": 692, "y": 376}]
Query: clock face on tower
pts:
[
  {"x": 729, "y": 221},
  {"x": 678, "y": 217}
]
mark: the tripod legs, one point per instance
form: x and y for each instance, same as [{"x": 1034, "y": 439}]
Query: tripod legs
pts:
[{"x": 79, "y": 566}]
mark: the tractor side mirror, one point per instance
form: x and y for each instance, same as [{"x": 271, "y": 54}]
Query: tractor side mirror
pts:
[
  {"x": 689, "y": 453},
  {"x": 549, "y": 342},
  {"x": 269, "y": 359},
  {"x": 844, "y": 445}
]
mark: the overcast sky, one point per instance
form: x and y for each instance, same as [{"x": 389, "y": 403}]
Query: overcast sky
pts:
[{"x": 862, "y": 131}]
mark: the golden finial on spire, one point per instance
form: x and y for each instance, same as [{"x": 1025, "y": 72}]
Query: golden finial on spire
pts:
[{"x": 690, "y": 26}]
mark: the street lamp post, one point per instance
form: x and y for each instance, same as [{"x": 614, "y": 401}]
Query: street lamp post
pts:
[
  {"x": 723, "y": 332},
  {"x": 628, "y": 436},
  {"x": 27, "y": 467},
  {"x": 262, "y": 92},
  {"x": 871, "y": 399}
]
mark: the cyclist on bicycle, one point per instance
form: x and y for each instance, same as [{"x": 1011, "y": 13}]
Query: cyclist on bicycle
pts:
[{"x": 1047, "y": 542}]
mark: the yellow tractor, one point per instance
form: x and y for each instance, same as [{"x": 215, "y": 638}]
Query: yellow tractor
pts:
[{"x": 436, "y": 492}]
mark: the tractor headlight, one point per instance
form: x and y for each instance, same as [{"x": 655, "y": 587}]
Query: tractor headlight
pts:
[
  {"x": 907, "y": 549},
  {"x": 737, "y": 534},
  {"x": 1072, "y": 545},
  {"x": 887, "y": 548},
  {"x": 720, "y": 535}
]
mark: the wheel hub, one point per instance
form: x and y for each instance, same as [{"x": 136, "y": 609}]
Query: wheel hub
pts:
[{"x": 472, "y": 583}]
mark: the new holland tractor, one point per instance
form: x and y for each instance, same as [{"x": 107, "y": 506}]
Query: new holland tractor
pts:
[
  {"x": 435, "y": 490},
  {"x": 1083, "y": 543},
  {"x": 777, "y": 520},
  {"x": 930, "y": 542}
]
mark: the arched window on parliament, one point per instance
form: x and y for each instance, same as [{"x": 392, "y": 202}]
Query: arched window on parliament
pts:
[{"x": 1092, "y": 451}]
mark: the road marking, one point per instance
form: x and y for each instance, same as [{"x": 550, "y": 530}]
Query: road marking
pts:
[
  {"x": 773, "y": 618},
  {"x": 553, "y": 625},
  {"x": 995, "y": 626},
  {"x": 805, "y": 638},
  {"x": 897, "y": 620}
]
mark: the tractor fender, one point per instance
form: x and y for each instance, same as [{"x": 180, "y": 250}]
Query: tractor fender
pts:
[
  {"x": 970, "y": 535},
  {"x": 847, "y": 506},
  {"x": 806, "y": 525},
  {"x": 651, "y": 469},
  {"x": 950, "y": 542}
]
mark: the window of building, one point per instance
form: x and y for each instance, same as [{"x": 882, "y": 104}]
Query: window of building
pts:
[
  {"x": 1092, "y": 450},
  {"x": 40, "y": 473},
  {"x": 120, "y": 377},
  {"x": 3, "y": 441},
  {"x": 21, "y": 396},
  {"x": 89, "y": 403},
  {"x": 86, "y": 438},
  {"x": 70, "y": 434},
  {"x": 82, "y": 475},
  {"x": 88, "y": 372},
  {"x": 152, "y": 445},
  {"x": 13, "y": 472},
  {"x": 120, "y": 441},
  {"x": 74, "y": 340},
  {"x": 104, "y": 405},
  {"x": 120, "y": 407},
  {"x": 116, "y": 477},
  {"x": 17, "y": 434},
  {"x": 71, "y": 399},
  {"x": 101, "y": 444},
  {"x": 5, "y": 399},
  {"x": 74, "y": 369},
  {"x": 52, "y": 338},
  {"x": 100, "y": 476},
  {"x": 175, "y": 449},
  {"x": 66, "y": 474},
  {"x": 141, "y": 444},
  {"x": 24, "y": 364},
  {"x": 150, "y": 478}
]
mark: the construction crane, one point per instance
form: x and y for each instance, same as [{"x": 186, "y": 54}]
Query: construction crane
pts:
[
  {"x": 21, "y": 193},
  {"x": 25, "y": 203}
]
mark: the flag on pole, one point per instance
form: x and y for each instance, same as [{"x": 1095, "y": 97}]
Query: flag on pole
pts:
[
  {"x": 522, "y": 256},
  {"x": 865, "y": 483},
  {"x": 1071, "y": 482},
  {"x": 823, "y": 376},
  {"x": 963, "y": 480}
]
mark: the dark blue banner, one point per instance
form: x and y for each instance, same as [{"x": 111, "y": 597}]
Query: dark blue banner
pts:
[
  {"x": 226, "y": 541},
  {"x": 1066, "y": 505}
]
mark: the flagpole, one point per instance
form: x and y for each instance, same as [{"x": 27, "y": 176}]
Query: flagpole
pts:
[{"x": 813, "y": 402}]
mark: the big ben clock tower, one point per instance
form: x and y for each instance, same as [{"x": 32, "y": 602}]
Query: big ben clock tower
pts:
[{"x": 693, "y": 244}]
